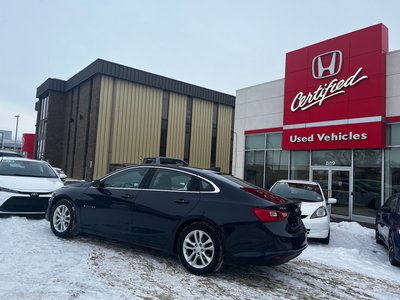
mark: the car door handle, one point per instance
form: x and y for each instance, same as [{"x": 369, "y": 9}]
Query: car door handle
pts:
[
  {"x": 181, "y": 201},
  {"x": 127, "y": 196}
]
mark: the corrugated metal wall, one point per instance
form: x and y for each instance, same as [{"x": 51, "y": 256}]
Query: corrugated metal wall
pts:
[
  {"x": 176, "y": 125},
  {"x": 200, "y": 145},
  {"x": 103, "y": 127},
  {"x": 129, "y": 123},
  {"x": 224, "y": 137},
  {"x": 129, "y": 127}
]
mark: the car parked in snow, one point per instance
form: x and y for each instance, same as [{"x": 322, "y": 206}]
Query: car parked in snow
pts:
[
  {"x": 205, "y": 217},
  {"x": 314, "y": 207},
  {"x": 387, "y": 227},
  {"x": 160, "y": 160},
  {"x": 26, "y": 185}
]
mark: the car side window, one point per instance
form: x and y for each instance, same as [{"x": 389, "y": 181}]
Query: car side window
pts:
[
  {"x": 206, "y": 186},
  {"x": 167, "y": 179},
  {"x": 131, "y": 178}
]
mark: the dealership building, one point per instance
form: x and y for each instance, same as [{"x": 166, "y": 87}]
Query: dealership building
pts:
[
  {"x": 334, "y": 118},
  {"x": 112, "y": 114}
]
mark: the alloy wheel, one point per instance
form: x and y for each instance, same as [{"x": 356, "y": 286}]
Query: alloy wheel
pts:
[
  {"x": 61, "y": 218},
  {"x": 198, "y": 249}
]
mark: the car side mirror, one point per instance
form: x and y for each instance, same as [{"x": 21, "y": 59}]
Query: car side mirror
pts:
[
  {"x": 98, "y": 184},
  {"x": 331, "y": 200}
]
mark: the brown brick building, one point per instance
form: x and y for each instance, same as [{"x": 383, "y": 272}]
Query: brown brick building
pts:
[{"x": 109, "y": 113}]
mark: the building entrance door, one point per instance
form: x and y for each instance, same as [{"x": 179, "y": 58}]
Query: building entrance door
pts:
[{"x": 336, "y": 183}]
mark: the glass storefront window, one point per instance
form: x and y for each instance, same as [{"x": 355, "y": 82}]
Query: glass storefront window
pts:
[
  {"x": 276, "y": 167},
  {"x": 255, "y": 142},
  {"x": 254, "y": 167},
  {"x": 393, "y": 134},
  {"x": 265, "y": 162},
  {"x": 331, "y": 158},
  {"x": 300, "y": 165},
  {"x": 367, "y": 182},
  {"x": 392, "y": 171},
  {"x": 274, "y": 141}
]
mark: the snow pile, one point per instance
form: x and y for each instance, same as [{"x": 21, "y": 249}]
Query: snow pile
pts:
[{"x": 34, "y": 264}]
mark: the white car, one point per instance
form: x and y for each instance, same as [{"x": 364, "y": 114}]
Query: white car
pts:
[
  {"x": 60, "y": 173},
  {"x": 314, "y": 211},
  {"x": 26, "y": 185}
]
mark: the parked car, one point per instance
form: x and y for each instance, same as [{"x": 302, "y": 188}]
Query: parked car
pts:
[
  {"x": 387, "y": 227},
  {"x": 64, "y": 178},
  {"x": 60, "y": 173},
  {"x": 205, "y": 217},
  {"x": 159, "y": 160},
  {"x": 314, "y": 208},
  {"x": 26, "y": 185},
  {"x": 117, "y": 166},
  {"x": 9, "y": 153}
]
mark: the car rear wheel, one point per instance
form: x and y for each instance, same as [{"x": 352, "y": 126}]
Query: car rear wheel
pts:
[
  {"x": 62, "y": 219},
  {"x": 200, "y": 249},
  {"x": 392, "y": 258}
]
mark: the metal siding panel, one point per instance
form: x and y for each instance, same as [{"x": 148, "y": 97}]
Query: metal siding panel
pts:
[
  {"x": 137, "y": 122},
  {"x": 200, "y": 148},
  {"x": 224, "y": 137},
  {"x": 176, "y": 125},
  {"x": 103, "y": 127}
]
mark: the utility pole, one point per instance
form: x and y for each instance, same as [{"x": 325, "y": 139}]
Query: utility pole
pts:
[{"x": 16, "y": 133}]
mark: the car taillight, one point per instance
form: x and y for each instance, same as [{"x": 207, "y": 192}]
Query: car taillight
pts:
[{"x": 270, "y": 215}]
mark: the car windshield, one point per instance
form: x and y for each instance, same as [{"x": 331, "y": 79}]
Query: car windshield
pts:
[
  {"x": 298, "y": 191},
  {"x": 28, "y": 168}
]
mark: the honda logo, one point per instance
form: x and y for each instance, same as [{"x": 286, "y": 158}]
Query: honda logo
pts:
[{"x": 327, "y": 64}]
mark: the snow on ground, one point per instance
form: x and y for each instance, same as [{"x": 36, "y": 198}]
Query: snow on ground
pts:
[{"x": 34, "y": 264}]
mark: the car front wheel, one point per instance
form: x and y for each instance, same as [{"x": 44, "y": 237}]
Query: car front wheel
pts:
[
  {"x": 200, "y": 249},
  {"x": 327, "y": 239},
  {"x": 62, "y": 219}
]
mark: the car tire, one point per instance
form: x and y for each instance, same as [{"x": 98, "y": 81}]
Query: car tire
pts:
[
  {"x": 62, "y": 219},
  {"x": 392, "y": 258},
  {"x": 327, "y": 239},
  {"x": 200, "y": 249},
  {"x": 377, "y": 238}
]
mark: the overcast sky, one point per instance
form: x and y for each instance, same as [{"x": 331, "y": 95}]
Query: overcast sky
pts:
[{"x": 223, "y": 45}]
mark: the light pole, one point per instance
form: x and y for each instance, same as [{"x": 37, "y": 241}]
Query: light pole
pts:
[{"x": 16, "y": 133}]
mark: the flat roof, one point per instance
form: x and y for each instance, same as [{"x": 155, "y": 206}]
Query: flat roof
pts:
[{"x": 103, "y": 67}]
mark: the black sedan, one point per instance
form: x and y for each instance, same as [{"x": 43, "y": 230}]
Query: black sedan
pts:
[
  {"x": 205, "y": 217},
  {"x": 387, "y": 227}
]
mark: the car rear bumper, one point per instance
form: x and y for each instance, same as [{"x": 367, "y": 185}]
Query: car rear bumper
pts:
[{"x": 267, "y": 258}]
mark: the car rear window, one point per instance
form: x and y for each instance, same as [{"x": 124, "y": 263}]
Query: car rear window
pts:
[
  {"x": 298, "y": 191},
  {"x": 237, "y": 181}
]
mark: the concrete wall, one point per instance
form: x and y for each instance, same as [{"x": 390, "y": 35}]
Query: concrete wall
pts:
[
  {"x": 393, "y": 84},
  {"x": 257, "y": 107}
]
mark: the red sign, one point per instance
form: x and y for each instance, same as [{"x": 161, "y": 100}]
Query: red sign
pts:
[
  {"x": 335, "y": 92},
  {"x": 28, "y": 144}
]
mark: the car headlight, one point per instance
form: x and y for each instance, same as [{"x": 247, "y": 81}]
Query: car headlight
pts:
[{"x": 319, "y": 213}]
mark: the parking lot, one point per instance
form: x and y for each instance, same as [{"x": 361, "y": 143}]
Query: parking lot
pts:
[{"x": 34, "y": 264}]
